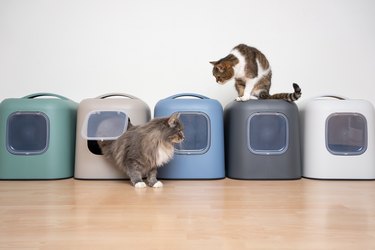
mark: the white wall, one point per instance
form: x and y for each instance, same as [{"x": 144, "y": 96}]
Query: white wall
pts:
[{"x": 85, "y": 48}]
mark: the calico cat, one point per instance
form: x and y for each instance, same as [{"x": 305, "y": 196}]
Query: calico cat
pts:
[
  {"x": 252, "y": 74},
  {"x": 143, "y": 148}
]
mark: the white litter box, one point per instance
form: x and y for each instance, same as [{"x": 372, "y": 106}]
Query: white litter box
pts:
[{"x": 338, "y": 139}]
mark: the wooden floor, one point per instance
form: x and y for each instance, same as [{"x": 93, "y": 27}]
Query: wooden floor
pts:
[{"x": 216, "y": 214}]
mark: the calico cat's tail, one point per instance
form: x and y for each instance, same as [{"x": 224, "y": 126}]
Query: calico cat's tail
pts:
[{"x": 290, "y": 97}]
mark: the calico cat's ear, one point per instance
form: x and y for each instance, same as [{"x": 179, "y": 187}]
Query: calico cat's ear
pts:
[
  {"x": 172, "y": 119},
  {"x": 220, "y": 67}
]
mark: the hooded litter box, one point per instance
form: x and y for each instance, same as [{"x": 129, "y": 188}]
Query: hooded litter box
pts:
[
  {"x": 262, "y": 140},
  {"x": 104, "y": 118},
  {"x": 38, "y": 137},
  {"x": 338, "y": 139},
  {"x": 201, "y": 154}
]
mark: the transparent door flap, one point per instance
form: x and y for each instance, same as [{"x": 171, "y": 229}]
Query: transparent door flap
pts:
[
  {"x": 268, "y": 133},
  {"x": 27, "y": 133},
  {"x": 346, "y": 134},
  {"x": 197, "y": 133},
  {"x": 105, "y": 125}
]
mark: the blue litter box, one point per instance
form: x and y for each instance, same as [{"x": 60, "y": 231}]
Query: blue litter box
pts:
[{"x": 201, "y": 155}]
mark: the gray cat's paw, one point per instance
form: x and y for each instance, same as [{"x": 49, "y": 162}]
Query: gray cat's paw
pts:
[
  {"x": 140, "y": 184},
  {"x": 158, "y": 184}
]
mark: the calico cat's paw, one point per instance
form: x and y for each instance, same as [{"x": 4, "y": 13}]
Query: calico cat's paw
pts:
[
  {"x": 140, "y": 184},
  {"x": 245, "y": 98},
  {"x": 158, "y": 184}
]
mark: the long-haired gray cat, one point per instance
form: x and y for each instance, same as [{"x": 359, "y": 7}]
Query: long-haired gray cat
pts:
[
  {"x": 252, "y": 74},
  {"x": 143, "y": 148}
]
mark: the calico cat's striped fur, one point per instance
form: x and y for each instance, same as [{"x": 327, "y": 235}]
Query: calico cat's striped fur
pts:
[{"x": 252, "y": 74}]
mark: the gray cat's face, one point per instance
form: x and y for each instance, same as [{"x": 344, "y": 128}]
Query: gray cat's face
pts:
[
  {"x": 223, "y": 72},
  {"x": 175, "y": 129}
]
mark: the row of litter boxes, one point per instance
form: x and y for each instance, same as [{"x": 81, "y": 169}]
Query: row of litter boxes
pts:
[{"x": 47, "y": 136}]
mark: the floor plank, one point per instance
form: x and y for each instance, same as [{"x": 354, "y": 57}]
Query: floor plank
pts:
[{"x": 210, "y": 214}]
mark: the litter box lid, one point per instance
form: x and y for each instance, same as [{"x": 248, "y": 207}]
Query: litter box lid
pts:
[
  {"x": 134, "y": 108},
  {"x": 107, "y": 116},
  {"x": 38, "y": 101},
  {"x": 328, "y": 103},
  {"x": 187, "y": 102}
]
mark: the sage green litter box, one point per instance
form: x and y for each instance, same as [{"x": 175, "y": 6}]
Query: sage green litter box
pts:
[{"x": 37, "y": 134}]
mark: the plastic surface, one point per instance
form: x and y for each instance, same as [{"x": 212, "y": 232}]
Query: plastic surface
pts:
[
  {"x": 197, "y": 141},
  {"x": 27, "y": 133},
  {"x": 38, "y": 137},
  {"x": 109, "y": 113},
  {"x": 104, "y": 125},
  {"x": 268, "y": 133},
  {"x": 346, "y": 134},
  {"x": 201, "y": 155},
  {"x": 338, "y": 139},
  {"x": 262, "y": 140}
]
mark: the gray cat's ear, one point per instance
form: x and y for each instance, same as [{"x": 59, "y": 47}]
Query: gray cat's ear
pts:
[
  {"x": 172, "y": 119},
  {"x": 213, "y": 63}
]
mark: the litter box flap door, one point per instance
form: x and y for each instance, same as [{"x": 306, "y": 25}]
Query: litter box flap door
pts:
[
  {"x": 104, "y": 125},
  {"x": 27, "y": 133},
  {"x": 267, "y": 133},
  {"x": 346, "y": 134},
  {"x": 136, "y": 109},
  {"x": 197, "y": 133}
]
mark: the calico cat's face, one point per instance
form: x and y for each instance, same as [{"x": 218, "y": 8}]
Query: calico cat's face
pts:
[
  {"x": 175, "y": 129},
  {"x": 222, "y": 71}
]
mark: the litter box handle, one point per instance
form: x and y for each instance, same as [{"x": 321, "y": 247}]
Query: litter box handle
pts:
[
  {"x": 188, "y": 94},
  {"x": 116, "y": 94},
  {"x": 31, "y": 96},
  {"x": 332, "y": 96}
]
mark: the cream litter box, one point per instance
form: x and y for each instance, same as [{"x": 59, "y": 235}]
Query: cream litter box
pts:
[{"x": 104, "y": 118}]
